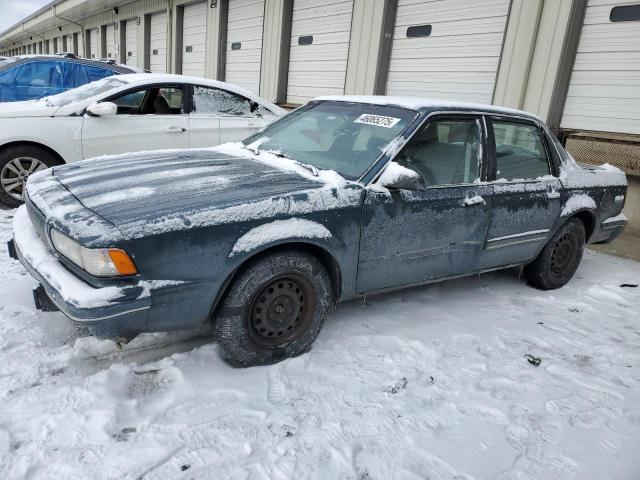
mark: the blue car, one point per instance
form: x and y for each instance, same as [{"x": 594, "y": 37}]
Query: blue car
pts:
[
  {"x": 35, "y": 76},
  {"x": 344, "y": 197}
]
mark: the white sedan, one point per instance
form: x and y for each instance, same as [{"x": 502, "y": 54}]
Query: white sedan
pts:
[{"x": 119, "y": 114}]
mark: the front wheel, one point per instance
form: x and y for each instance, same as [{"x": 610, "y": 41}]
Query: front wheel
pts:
[
  {"x": 17, "y": 163},
  {"x": 559, "y": 259},
  {"x": 273, "y": 309}
]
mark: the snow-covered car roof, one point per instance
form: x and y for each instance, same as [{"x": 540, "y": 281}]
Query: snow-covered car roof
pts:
[{"x": 418, "y": 103}]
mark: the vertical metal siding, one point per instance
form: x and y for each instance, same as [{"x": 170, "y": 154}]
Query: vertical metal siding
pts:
[
  {"x": 604, "y": 90},
  {"x": 244, "y": 26},
  {"x": 194, "y": 34},
  {"x": 319, "y": 68},
  {"x": 459, "y": 60}
]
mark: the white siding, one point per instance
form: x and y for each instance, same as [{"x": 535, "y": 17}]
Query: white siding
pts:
[
  {"x": 459, "y": 60},
  {"x": 319, "y": 68},
  {"x": 110, "y": 41},
  {"x": 604, "y": 91},
  {"x": 93, "y": 39},
  {"x": 158, "y": 47},
  {"x": 244, "y": 27},
  {"x": 131, "y": 42},
  {"x": 194, "y": 33}
]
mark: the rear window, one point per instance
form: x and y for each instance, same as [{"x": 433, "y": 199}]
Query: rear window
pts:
[{"x": 520, "y": 152}]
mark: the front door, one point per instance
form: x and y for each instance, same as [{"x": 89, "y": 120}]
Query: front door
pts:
[
  {"x": 150, "y": 118},
  {"x": 526, "y": 198},
  {"x": 413, "y": 236}
]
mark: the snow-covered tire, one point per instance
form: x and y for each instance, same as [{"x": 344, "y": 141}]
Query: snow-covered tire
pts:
[
  {"x": 273, "y": 309},
  {"x": 560, "y": 258},
  {"x": 16, "y": 164}
]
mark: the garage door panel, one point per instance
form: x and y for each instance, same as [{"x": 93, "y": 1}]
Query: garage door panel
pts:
[
  {"x": 465, "y": 43},
  {"x": 131, "y": 42},
  {"x": 320, "y": 67},
  {"x": 604, "y": 90},
  {"x": 158, "y": 43},
  {"x": 244, "y": 30},
  {"x": 194, "y": 34}
]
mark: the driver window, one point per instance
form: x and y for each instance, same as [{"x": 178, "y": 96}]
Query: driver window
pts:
[
  {"x": 214, "y": 101},
  {"x": 445, "y": 152},
  {"x": 151, "y": 101}
]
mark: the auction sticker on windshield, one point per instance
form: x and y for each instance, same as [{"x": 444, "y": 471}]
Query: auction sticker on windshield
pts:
[{"x": 377, "y": 120}]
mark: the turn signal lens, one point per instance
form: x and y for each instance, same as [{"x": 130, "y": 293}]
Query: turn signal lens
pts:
[
  {"x": 99, "y": 262},
  {"x": 122, "y": 261}
]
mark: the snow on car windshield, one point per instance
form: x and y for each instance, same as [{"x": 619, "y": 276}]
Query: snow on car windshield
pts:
[
  {"x": 345, "y": 137},
  {"x": 85, "y": 91}
]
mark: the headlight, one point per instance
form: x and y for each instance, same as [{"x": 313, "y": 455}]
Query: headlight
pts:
[{"x": 99, "y": 262}]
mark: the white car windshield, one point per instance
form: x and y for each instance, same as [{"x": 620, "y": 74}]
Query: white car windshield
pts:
[{"x": 85, "y": 91}]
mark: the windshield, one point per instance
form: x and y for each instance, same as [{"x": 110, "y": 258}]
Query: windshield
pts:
[
  {"x": 85, "y": 91},
  {"x": 340, "y": 136}
]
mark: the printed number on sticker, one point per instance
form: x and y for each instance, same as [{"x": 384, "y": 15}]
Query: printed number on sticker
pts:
[{"x": 377, "y": 120}]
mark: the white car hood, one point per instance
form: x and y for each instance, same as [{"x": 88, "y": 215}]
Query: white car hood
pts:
[{"x": 30, "y": 108}]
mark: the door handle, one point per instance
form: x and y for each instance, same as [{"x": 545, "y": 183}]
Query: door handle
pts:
[
  {"x": 475, "y": 200},
  {"x": 553, "y": 194},
  {"x": 175, "y": 130}
]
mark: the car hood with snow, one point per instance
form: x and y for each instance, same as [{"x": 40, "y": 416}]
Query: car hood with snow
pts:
[
  {"x": 166, "y": 191},
  {"x": 27, "y": 109}
]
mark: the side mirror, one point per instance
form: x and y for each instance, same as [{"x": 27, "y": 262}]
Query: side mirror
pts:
[
  {"x": 397, "y": 177},
  {"x": 104, "y": 109}
]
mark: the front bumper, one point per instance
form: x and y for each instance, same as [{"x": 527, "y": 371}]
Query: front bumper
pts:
[
  {"x": 112, "y": 311},
  {"x": 611, "y": 228}
]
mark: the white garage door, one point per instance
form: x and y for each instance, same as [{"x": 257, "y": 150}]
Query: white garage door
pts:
[
  {"x": 244, "y": 43},
  {"x": 131, "y": 42},
  {"x": 319, "y": 49},
  {"x": 93, "y": 43},
  {"x": 194, "y": 34},
  {"x": 447, "y": 49},
  {"x": 604, "y": 91},
  {"x": 158, "y": 47},
  {"x": 110, "y": 41}
]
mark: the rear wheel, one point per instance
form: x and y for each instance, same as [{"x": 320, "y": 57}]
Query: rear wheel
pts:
[
  {"x": 17, "y": 163},
  {"x": 560, "y": 258},
  {"x": 273, "y": 309}
]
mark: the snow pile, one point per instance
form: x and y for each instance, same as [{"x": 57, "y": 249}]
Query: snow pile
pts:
[
  {"x": 429, "y": 382},
  {"x": 576, "y": 203},
  {"x": 279, "y": 230}
]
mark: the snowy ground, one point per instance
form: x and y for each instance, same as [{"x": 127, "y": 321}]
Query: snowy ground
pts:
[{"x": 431, "y": 383}]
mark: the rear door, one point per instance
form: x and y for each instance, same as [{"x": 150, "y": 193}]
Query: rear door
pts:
[
  {"x": 413, "y": 236},
  {"x": 526, "y": 192},
  {"x": 220, "y": 116},
  {"x": 149, "y": 118}
]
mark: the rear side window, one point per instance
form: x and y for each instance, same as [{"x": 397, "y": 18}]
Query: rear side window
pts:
[
  {"x": 520, "y": 152},
  {"x": 213, "y": 101}
]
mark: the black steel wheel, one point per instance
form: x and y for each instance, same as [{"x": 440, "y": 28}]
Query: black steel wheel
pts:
[
  {"x": 560, "y": 258},
  {"x": 273, "y": 309},
  {"x": 282, "y": 311}
]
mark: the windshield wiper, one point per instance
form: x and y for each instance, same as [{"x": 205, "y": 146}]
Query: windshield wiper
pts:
[
  {"x": 253, "y": 150},
  {"x": 306, "y": 166}
]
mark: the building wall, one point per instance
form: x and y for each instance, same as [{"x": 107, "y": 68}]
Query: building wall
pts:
[{"x": 538, "y": 50}]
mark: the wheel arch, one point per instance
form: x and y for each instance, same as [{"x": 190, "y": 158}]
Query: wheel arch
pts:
[
  {"x": 326, "y": 258},
  {"x": 17, "y": 143},
  {"x": 588, "y": 219}
]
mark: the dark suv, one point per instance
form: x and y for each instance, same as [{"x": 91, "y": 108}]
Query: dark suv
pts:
[{"x": 30, "y": 77}]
